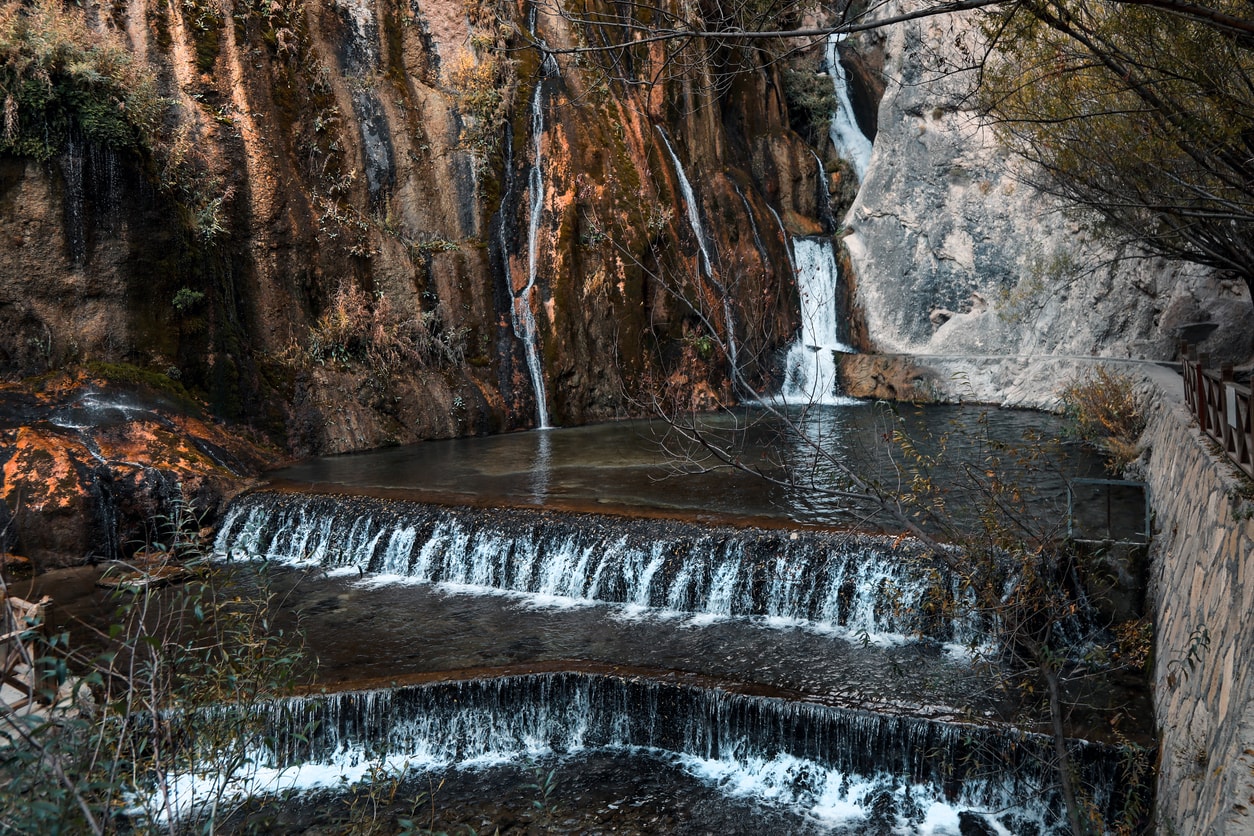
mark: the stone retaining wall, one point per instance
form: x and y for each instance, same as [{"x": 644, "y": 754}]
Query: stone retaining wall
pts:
[{"x": 1202, "y": 577}]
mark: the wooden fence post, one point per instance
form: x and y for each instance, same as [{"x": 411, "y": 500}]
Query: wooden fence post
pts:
[{"x": 1203, "y": 407}]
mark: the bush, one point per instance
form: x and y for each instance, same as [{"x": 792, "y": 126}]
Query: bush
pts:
[
  {"x": 360, "y": 328},
  {"x": 61, "y": 81},
  {"x": 158, "y": 730},
  {"x": 811, "y": 102},
  {"x": 1104, "y": 411},
  {"x": 58, "y": 78}
]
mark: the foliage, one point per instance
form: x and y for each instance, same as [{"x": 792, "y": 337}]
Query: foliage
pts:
[
  {"x": 186, "y": 299},
  {"x": 358, "y": 327},
  {"x": 1139, "y": 113},
  {"x": 62, "y": 82},
  {"x": 811, "y": 101},
  {"x": 1025, "y": 581},
  {"x": 484, "y": 91},
  {"x": 122, "y": 736},
  {"x": 1104, "y": 410},
  {"x": 58, "y": 78}
]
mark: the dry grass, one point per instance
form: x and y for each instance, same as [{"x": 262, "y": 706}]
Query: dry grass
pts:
[
  {"x": 1105, "y": 411},
  {"x": 358, "y": 327}
]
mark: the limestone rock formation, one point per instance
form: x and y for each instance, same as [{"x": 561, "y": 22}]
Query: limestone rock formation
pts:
[
  {"x": 335, "y": 235},
  {"x": 954, "y": 254}
]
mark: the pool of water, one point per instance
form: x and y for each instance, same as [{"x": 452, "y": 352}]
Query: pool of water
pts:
[{"x": 811, "y": 467}]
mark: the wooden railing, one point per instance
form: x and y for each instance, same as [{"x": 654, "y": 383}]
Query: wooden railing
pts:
[{"x": 1221, "y": 406}]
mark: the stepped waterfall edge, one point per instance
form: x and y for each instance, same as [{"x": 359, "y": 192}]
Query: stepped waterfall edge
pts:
[
  {"x": 877, "y": 588},
  {"x": 831, "y": 763}
]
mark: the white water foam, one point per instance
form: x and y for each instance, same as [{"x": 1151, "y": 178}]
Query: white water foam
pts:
[
  {"x": 846, "y": 136},
  {"x": 811, "y": 372}
]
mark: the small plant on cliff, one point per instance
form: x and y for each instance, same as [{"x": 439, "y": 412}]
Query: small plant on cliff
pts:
[
  {"x": 360, "y": 328},
  {"x": 811, "y": 102},
  {"x": 1104, "y": 411},
  {"x": 484, "y": 91},
  {"x": 58, "y": 79}
]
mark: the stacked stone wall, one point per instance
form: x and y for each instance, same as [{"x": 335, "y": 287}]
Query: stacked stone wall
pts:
[{"x": 1202, "y": 576}]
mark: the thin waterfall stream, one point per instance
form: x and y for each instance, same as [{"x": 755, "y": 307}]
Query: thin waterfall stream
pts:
[
  {"x": 705, "y": 265},
  {"x": 523, "y": 314}
]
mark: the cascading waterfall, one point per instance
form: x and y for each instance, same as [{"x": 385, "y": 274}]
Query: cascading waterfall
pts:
[
  {"x": 850, "y": 143},
  {"x": 854, "y": 585},
  {"x": 834, "y": 764},
  {"x": 811, "y": 372},
  {"x": 524, "y": 318},
  {"x": 825, "y": 197},
  {"x": 783, "y": 233},
  {"x": 705, "y": 265}
]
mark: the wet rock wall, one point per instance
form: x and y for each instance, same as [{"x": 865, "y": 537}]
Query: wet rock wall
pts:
[{"x": 344, "y": 277}]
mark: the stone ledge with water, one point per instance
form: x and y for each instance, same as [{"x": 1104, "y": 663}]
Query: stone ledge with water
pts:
[{"x": 837, "y": 770}]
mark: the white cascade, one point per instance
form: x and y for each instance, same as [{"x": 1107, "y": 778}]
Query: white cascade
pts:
[
  {"x": 694, "y": 220},
  {"x": 522, "y": 314},
  {"x": 829, "y": 582},
  {"x": 844, "y": 769},
  {"x": 810, "y": 366},
  {"x": 783, "y": 233},
  {"x": 851, "y": 144}
]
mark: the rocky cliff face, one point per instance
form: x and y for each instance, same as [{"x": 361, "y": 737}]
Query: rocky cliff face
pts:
[
  {"x": 954, "y": 254},
  {"x": 368, "y": 222},
  {"x": 352, "y": 265}
]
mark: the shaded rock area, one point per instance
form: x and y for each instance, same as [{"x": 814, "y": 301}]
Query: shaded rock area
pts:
[
  {"x": 953, "y": 253},
  {"x": 89, "y": 468}
]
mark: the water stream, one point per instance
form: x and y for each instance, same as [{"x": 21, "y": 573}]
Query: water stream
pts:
[
  {"x": 850, "y": 143},
  {"x": 811, "y": 375},
  {"x": 697, "y": 654},
  {"x": 523, "y": 314},
  {"x": 705, "y": 265}
]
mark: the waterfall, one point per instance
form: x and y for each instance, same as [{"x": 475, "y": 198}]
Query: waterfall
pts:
[
  {"x": 783, "y": 233},
  {"x": 524, "y": 318},
  {"x": 834, "y": 764},
  {"x": 690, "y": 203},
  {"x": 850, "y": 143},
  {"x": 810, "y": 369},
  {"x": 863, "y": 586},
  {"x": 72, "y": 173},
  {"x": 705, "y": 264},
  {"x": 824, "y": 197},
  {"x": 753, "y": 226}
]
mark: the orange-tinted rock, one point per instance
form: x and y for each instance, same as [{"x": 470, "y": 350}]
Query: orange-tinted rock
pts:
[{"x": 88, "y": 469}]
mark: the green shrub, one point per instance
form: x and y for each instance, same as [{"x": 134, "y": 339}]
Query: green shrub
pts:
[
  {"x": 811, "y": 101},
  {"x": 57, "y": 77},
  {"x": 173, "y": 690},
  {"x": 1104, "y": 411}
]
